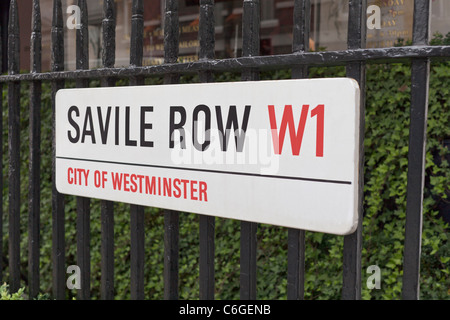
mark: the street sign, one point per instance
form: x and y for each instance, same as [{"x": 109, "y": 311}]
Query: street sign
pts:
[{"x": 276, "y": 152}]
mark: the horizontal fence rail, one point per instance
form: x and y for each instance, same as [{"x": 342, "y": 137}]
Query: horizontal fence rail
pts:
[
  {"x": 325, "y": 58},
  {"x": 249, "y": 65}
]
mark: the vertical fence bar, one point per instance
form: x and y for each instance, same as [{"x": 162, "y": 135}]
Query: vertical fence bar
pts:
[
  {"x": 207, "y": 280},
  {"x": 58, "y": 240},
  {"x": 171, "y": 218},
  {"x": 351, "y": 289},
  {"x": 107, "y": 250},
  {"x": 296, "y": 264},
  {"x": 107, "y": 207},
  {"x": 137, "y": 252},
  {"x": 14, "y": 148},
  {"x": 416, "y": 155},
  {"x": 250, "y": 47},
  {"x": 1, "y": 162},
  {"x": 171, "y": 252},
  {"x": 248, "y": 261},
  {"x": 137, "y": 212},
  {"x": 300, "y": 34},
  {"x": 35, "y": 155},
  {"x": 296, "y": 238},
  {"x": 83, "y": 247},
  {"x": 207, "y": 223},
  {"x": 83, "y": 204}
]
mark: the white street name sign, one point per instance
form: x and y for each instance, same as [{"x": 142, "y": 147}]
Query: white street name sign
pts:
[{"x": 275, "y": 152}]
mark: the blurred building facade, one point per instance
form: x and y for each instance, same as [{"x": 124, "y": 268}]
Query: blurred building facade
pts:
[{"x": 328, "y": 28}]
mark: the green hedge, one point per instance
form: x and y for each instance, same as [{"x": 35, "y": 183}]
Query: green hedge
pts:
[{"x": 386, "y": 147}]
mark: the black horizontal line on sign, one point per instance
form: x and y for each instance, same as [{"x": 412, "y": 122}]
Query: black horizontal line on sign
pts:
[{"x": 210, "y": 171}]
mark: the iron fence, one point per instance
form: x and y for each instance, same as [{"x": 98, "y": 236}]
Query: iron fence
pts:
[{"x": 355, "y": 58}]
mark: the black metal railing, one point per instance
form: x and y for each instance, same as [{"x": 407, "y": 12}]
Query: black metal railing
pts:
[{"x": 355, "y": 58}]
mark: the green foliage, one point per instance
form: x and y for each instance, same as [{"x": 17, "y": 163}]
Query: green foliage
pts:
[
  {"x": 6, "y": 295},
  {"x": 440, "y": 39},
  {"x": 385, "y": 170},
  {"x": 386, "y": 144}
]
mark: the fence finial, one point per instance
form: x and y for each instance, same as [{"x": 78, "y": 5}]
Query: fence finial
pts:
[
  {"x": 171, "y": 32},
  {"x": 138, "y": 7},
  {"x": 13, "y": 39},
  {"x": 137, "y": 33},
  {"x": 206, "y": 32},
  {"x": 302, "y": 18},
  {"x": 35, "y": 45},
  {"x": 1, "y": 61},
  {"x": 109, "y": 34},
  {"x": 36, "y": 17},
  {"x": 57, "y": 37},
  {"x": 57, "y": 14},
  {"x": 82, "y": 38}
]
